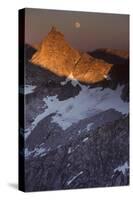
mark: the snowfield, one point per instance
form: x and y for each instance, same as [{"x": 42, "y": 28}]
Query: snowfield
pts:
[
  {"x": 38, "y": 151},
  {"x": 28, "y": 89},
  {"x": 87, "y": 103},
  {"x": 123, "y": 168}
]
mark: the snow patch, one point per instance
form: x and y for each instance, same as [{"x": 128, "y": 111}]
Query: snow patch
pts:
[
  {"x": 89, "y": 126},
  {"x": 64, "y": 82},
  {"x": 74, "y": 177},
  {"x": 122, "y": 168},
  {"x": 68, "y": 165},
  {"x": 38, "y": 151},
  {"x": 27, "y": 153},
  {"x": 69, "y": 150},
  {"x": 28, "y": 89},
  {"x": 85, "y": 139},
  {"x": 74, "y": 81}
]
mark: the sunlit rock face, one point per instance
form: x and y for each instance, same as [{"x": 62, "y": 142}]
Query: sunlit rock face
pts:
[
  {"x": 90, "y": 69},
  {"x": 56, "y": 55}
]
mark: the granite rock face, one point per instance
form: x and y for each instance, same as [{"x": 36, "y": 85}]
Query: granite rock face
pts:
[{"x": 55, "y": 54}]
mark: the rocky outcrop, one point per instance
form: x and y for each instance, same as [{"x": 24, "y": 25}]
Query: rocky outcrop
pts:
[{"x": 56, "y": 55}]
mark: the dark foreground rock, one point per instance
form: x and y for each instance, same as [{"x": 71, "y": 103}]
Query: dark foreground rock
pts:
[{"x": 91, "y": 159}]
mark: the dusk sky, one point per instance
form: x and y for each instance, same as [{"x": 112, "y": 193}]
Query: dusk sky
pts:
[{"x": 84, "y": 31}]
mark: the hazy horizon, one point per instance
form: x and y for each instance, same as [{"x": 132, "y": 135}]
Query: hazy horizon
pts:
[{"x": 93, "y": 30}]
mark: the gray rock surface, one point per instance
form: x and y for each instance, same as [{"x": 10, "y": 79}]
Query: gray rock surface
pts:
[
  {"x": 94, "y": 152},
  {"x": 87, "y": 160}
]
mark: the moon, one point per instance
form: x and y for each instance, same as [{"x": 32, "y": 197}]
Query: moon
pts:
[{"x": 77, "y": 25}]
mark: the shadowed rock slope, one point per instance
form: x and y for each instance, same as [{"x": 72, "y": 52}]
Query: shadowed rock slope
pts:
[
  {"x": 89, "y": 160},
  {"x": 79, "y": 156}
]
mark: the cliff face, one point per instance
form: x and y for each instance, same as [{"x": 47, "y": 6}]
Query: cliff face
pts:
[{"x": 56, "y": 55}]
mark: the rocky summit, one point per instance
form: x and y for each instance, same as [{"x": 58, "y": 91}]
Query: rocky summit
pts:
[{"x": 56, "y": 55}]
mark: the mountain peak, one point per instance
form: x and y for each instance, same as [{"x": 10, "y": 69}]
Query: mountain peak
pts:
[
  {"x": 56, "y": 55},
  {"x": 54, "y": 29}
]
